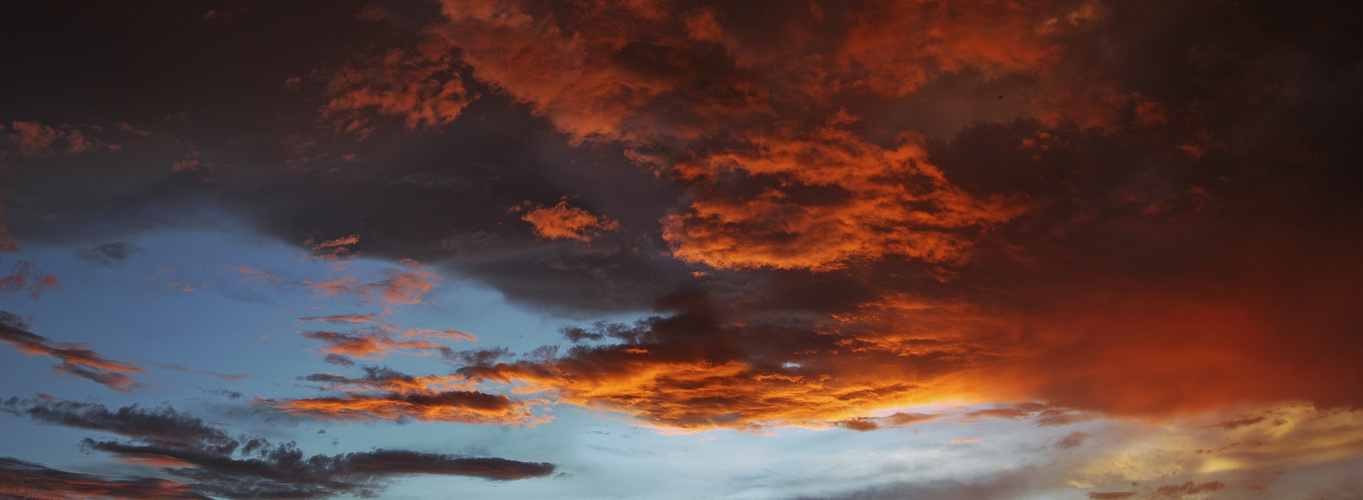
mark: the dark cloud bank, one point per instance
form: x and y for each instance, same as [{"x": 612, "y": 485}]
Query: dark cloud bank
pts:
[{"x": 206, "y": 461}]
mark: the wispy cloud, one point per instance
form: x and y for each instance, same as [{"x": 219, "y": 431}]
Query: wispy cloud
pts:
[
  {"x": 402, "y": 397},
  {"x": 77, "y": 359}
]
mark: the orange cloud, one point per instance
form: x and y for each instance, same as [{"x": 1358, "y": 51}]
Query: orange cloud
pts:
[
  {"x": 896, "y": 47},
  {"x": 431, "y": 398},
  {"x": 333, "y": 249},
  {"x": 452, "y": 406},
  {"x": 367, "y": 344},
  {"x": 826, "y": 199},
  {"x": 564, "y": 221},
  {"x": 77, "y": 360},
  {"x": 421, "y": 86},
  {"x": 400, "y": 287}
]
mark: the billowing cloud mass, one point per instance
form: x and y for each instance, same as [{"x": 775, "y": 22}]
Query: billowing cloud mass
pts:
[
  {"x": 1030, "y": 258},
  {"x": 213, "y": 463},
  {"x": 1120, "y": 236}
]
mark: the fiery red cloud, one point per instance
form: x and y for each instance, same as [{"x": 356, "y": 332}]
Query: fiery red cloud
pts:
[{"x": 827, "y": 212}]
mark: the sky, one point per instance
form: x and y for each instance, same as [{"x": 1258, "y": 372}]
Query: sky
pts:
[{"x": 796, "y": 249}]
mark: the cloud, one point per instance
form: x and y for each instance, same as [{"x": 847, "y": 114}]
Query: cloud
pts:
[
  {"x": 1110, "y": 495},
  {"x": 27, "y": 276},
  {"x": 36, "y": 140},
  {"x": 343, "y": 318},
  {"x": 422, "y": 87},
  {"x": 110, "y": 254},
  {"x": 1072, "y": 440},
  {"x": 371, "y": 343},
  {"x": 468, "y": 407},
  {"x": 226, "y": 377},
  {"x": 402, "y": 397},
  {"x": 568, "y": 222},
  {"x": 400, "y": 286},
  {"x": 333, "y": 249},
  {"x": 164, "y": 426},
  {"x": 690, "y": 371},
  {"x": 1189, "y": 488},
  {"x": 214, "y": 464},
  {"x": 1234, "y": 424},
  {"x": 7, "y": 242},
  {"x": 26, "y": 479},
  {"x": 823, "y": 199},
  {"x": 77, "y": 360},
  {"x": 874, "y": 226}
]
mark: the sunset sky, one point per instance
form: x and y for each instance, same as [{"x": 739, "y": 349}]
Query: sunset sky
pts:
[{"x": 593, "y": 249}]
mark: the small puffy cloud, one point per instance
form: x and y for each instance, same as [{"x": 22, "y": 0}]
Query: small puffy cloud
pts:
[{"x": 567, "y": 222}]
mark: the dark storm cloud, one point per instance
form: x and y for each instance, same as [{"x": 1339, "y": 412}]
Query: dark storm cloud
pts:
[
  {"x": 1161, "y": 215},
  {"x": 27, "y": 276},
  {"x": 110, "y": 254},
  {"x": 497, "y": 160},
  {"x": 212, "y": 463}
]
